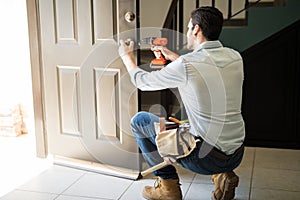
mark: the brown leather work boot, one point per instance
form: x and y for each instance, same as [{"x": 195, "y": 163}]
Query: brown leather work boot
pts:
[
  {"x": 163, "y": 190},
  {"x": 225, "y": 185}
]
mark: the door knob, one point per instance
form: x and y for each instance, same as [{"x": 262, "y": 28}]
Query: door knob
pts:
[{"x": 129, "y": 16}]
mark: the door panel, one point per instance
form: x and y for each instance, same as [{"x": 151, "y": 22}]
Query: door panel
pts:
[
  {"x": 65, "y": 21},
  {"x": 104, "y": 28},
  {"x": 88, "y": 97},
  {"x": 68, "y": 91}
]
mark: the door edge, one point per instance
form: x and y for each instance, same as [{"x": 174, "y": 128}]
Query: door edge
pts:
[{"x": 36, "y": 62}]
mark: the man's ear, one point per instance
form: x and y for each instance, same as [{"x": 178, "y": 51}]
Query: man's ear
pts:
[{"x": 196, "y": 30}]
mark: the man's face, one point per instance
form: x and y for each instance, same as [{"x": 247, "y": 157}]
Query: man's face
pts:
[{"x": 190, "y": 36}]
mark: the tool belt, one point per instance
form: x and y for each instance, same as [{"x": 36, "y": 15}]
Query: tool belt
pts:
[
  {"x": 177, "y": 142},
  {"x": 216, "y": 152}
]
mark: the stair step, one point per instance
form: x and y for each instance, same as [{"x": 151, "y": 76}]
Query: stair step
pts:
[
  {"x": 233, "y": 23},
  {"x": 242, "y": 22},
  {"x": 261, "y": 4},
  {"x": 268, "y": 3}
]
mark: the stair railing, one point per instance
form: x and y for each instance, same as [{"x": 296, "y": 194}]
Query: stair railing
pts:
[{"x": 175, "y": 17}]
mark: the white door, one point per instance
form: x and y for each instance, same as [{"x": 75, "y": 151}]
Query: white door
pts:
[{"x": 87, "y": 95}]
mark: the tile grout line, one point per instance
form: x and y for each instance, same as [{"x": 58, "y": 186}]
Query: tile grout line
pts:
[
  {"x": 252, "y": 172},
  {"x": 126, "y": 190},
  {"x": 32, "y": 191},
  {"x": 71, "y": 184},
  {"x": 86, "y": 197},
  {"x": 184, "y": 196},
  {"x": 283, "y": 169},
  {"x": 187, "y": 191},
  {"x": 276, "y": 189}
]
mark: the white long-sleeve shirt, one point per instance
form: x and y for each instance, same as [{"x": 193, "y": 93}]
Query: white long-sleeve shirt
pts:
[{"x": 209, "y": 81}]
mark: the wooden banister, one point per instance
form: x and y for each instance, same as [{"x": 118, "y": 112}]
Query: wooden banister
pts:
[{"x": 170, "y": 15}]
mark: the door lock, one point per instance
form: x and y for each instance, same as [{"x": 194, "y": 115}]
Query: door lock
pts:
[{"x": 129, "y": 16}]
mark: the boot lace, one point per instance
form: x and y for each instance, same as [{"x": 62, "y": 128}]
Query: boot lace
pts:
[{"x": 157, "y": 183}]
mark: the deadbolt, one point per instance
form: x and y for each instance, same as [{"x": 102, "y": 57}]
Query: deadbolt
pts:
[{"x": 129, "y": 16}]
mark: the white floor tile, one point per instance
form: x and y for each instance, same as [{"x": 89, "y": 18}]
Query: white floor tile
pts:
[
  {"x": 275, "y": 176},
  {"x": 276, "y": 179},
  {"x": 135, "y": 190},
  {"x": 248, "y": 157},
  {"x": 245, "y": 176},
  {"x": 54, "y": 180},
  {"x": 199, "y": 192},
  {"x": 19, "y": 163},
  {"x": 185, "y": 187},
  {"x": 242, "y": 193},
  {"x": 27, "y": 195},
  {"x": 204, "y": 192},
  {"x": 65, "y": 197},
  {"x": 277, "y": 158},
  {"x": 99, "y": 186},
  {"x": 259, "y": 194},
  {"x": 203, "y": 179}
]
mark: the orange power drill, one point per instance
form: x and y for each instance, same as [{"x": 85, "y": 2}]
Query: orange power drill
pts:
[{"x": 159, "y": 61}]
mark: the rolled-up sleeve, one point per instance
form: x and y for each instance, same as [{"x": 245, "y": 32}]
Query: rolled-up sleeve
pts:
[{"x": 171, "y": 76}]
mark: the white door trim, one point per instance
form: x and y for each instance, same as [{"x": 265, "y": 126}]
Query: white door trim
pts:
[{"x": 36, "y": 62}]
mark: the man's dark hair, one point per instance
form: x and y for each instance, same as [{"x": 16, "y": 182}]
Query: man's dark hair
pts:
[{"x": 210, "y": 20}]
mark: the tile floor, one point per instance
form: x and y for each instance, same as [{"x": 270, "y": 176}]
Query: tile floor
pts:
[{"x": 264, "y": 174}]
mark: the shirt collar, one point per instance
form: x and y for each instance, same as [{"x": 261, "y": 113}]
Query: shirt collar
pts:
[{"x": 209, "y": 45}]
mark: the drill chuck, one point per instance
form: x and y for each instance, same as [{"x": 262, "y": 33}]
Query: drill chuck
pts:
[{"x": 157, "y": 41}]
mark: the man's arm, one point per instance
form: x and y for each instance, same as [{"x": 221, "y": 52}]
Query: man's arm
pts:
[
  {"x": 125, "y": 51},
  {"x": 170, "y": 76}
]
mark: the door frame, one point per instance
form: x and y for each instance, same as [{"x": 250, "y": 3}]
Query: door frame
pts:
[{"x": 34, "y": 32}]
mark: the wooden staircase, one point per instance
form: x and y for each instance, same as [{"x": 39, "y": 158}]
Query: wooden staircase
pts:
[
  {"x": 239, "y": 17},
  {"x": 236, "y": 11},
  {"x": 174, "y": 15}
]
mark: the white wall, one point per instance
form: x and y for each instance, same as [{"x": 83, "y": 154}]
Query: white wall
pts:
[
  {"x": 15, "y": 72},
  {"x": 153, "y": 12}
]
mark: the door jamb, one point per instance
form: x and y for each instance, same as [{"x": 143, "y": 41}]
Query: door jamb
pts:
[{"x": 36, "y": 74}]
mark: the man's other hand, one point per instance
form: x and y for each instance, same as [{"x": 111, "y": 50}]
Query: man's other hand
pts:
[{"x": 168, "y": 54}]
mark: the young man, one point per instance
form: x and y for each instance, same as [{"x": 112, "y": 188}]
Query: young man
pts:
[{"x": 209, "y": 80}]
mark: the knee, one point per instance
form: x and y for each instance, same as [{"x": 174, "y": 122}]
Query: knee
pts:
[{"x": 141, "y": 119}]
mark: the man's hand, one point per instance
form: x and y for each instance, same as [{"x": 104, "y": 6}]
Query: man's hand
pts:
[
  {"x": 125, "y": 52},
  {"x": 168, "y": 54}
]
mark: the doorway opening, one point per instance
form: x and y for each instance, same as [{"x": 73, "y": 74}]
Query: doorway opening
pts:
[{"x": 17, "y": 147}]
